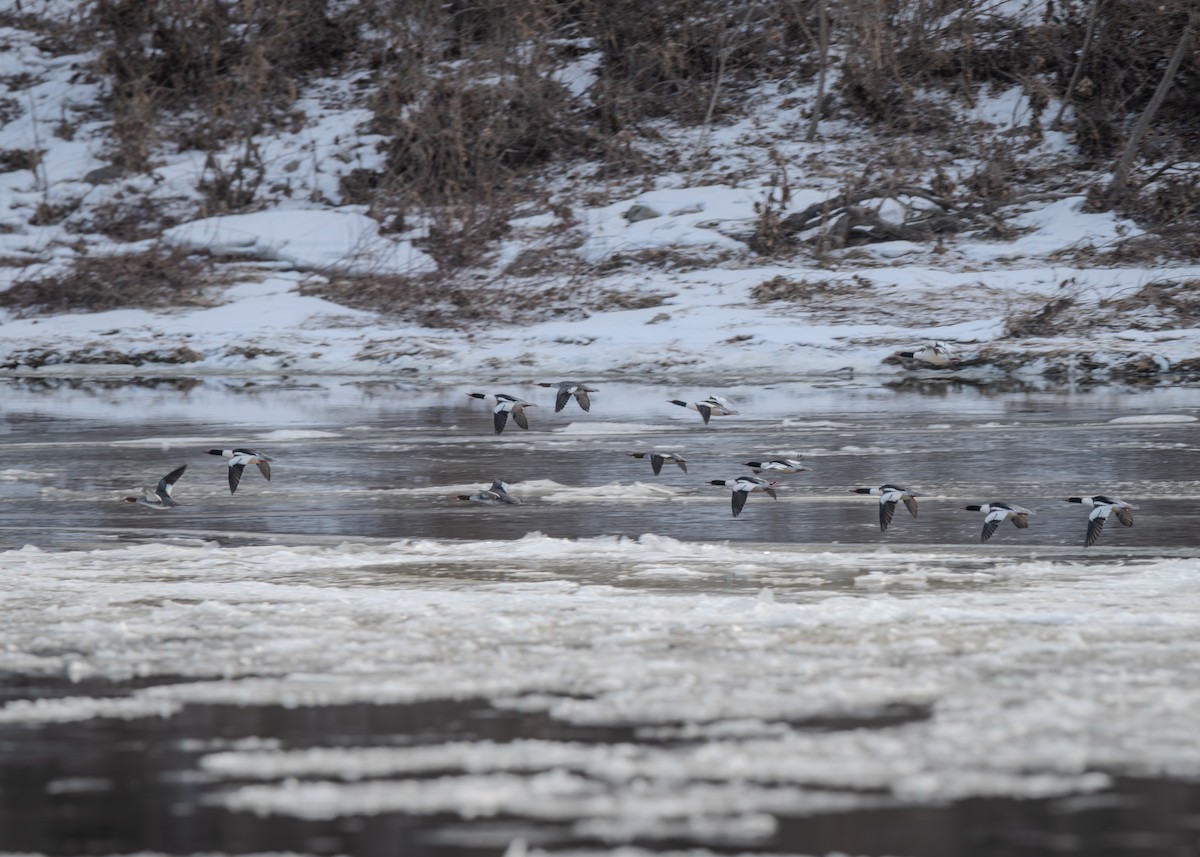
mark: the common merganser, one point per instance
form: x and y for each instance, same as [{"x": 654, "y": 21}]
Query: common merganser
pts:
[
  {"x": 742, "y": 486},
  {"x": 658, "y": 458},
  {"x": 238, "y": 459},
  {"x": 997, "y": 513},
  {"x": 889, "y": 496},
  {"x": 713, "y": 406},
  {"x": 777, "y": 465},
  {"x": 160, "y": 497},
  {"x": 1102, "y": 507},
  {"x": 933, "y": 354},
  {"x": 504, "y": 404},
  {"x": 567, "y": 389},
  {"x": 495, "y": 496}
]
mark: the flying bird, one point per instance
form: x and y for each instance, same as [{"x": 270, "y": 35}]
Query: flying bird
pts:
[
  {"x": 777, "y": 465},
  {"x": 238, "y": 459},
  {"x": 1102, "y": 507},
  {"x": 889, "y": 496},
  {"x": 997, "y": 513},
  {"x": 742, "y": 487},
  {"x": 159, "y": 497},
  {"x": 713, "y": 406},
  {"x": 657, "y": 459},
  {"x": 567, "y": 389},
  {"x": 933, "y": 354},
  {"x": 497, "y": 495},
  {"x": 502, "y": 405}
]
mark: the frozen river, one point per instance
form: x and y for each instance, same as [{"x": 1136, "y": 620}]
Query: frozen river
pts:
[{"x": 346, "y": 659}]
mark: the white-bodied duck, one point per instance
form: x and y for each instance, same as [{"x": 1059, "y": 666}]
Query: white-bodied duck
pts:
[
  {"x": 497, "y": 495},
  {"x": 777, "y": 465},
  {"x": 937, "y": 354},
  {"x": 502, "y": 405},
  {"x": 889, "y": 496},
  {"x": 657, "y": 459},
  {"x": 159, "y": 497},
  {"x": 713, "y": 406},
  {"x": 238, "y": 459},
  {"x": 567, "y": 389},
  {"x": 1102, "y": 507},
  {"x": 743, "y": 486},
  {"x": 997, "y": 513}
]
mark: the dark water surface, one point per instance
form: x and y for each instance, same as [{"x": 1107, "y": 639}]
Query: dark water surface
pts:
[{"x": 359, "y": 460}]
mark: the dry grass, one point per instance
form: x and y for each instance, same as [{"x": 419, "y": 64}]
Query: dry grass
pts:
[{"x": 156, "y": 278}]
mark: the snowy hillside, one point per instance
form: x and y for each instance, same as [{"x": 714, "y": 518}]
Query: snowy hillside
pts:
[{"x": 708, "y": 263}]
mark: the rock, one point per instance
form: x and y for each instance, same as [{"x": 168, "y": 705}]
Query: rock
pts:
[{"x": 641, "y": 212}]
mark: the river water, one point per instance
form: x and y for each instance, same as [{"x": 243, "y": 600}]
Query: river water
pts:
[{"x": 347, "y": 659}]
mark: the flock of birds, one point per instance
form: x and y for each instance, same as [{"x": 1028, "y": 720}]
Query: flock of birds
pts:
[{"x": 505, "y": 405}]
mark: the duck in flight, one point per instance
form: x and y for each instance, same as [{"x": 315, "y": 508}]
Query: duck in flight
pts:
[
  {"x": 657, "y": 459},
  {"x": 997, "y": 513},
  {"x": 502, "y": 405},
  {"x": 497, "y": 495},
  {"x": 742, "y": 487},
  {"x": 1102, "y": 507},
  {"x": 567, "y": 389},
  {"x": 713, "y": 406},
  {"x": 777, "y": 465},
  {"x": 934, "y": 354},
  {"x": 238, "y": 459},
  {"x": 889, "y": 496},
  {"x": 159, "y": 497}
]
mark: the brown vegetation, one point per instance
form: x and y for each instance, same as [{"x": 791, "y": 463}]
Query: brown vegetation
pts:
[{"x": 155, "y": 278}]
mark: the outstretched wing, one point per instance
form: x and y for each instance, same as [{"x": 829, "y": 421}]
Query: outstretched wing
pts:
[
  {"x": 656, "y": 463},
  {"x": 705, "y": 411},
  {"x": 264, "y": 467},
  {"x": 1095, "y": 527},
  {"x": 886, "y": 511},
  {"x": 1021, "y": 522},
  {"x": 989, "y": 527},
  {"x": 235, "y": 475},
  {"x": 1124, "y": 515},
  {"x": 519, "y": 417},
  {"x": 739, "y": 500},
  {"x": 168, "y": 482},
  {"x": 771, "y": 493},
  {"x": 560, "y": 402},
  {"x": 581, "y": 396},
  {"x": 682, "y": 464},
  {"x": 500, "y": 417},
  {"x": 910, "y": 503}
]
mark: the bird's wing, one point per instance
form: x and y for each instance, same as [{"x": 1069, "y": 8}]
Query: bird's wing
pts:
[
  {"x": 705, "y": 411},
  {"x": 656, "y": 463},
  {"x": 168, "y": 482},
  {"x": 770, "y": 492},
  {"x": 682, "y": 464},
  {"x": 518, "y": 413},
  {"x": 235, "y": 475},
  {"x": 910, "y": 503},
  {"x": 264, "y": 467},
  {"x": 1021, "y": 522},
  {"x": 1124, "y": 515},
  {"x": 989, "y": 527},
  {"x": 560, "y": 401},
  {"x": 1095, "y": 527},
  {"x": 581, "y": 396},
  {"x": 500, "y": 417},
  {"x": 739, "y": 500},
  {"x": 886, "y": 510}
]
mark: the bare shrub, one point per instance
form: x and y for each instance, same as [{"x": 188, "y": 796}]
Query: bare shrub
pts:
[
  {"x": 1049, "y": 319},
  {"x": 156, "y": 278}
]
